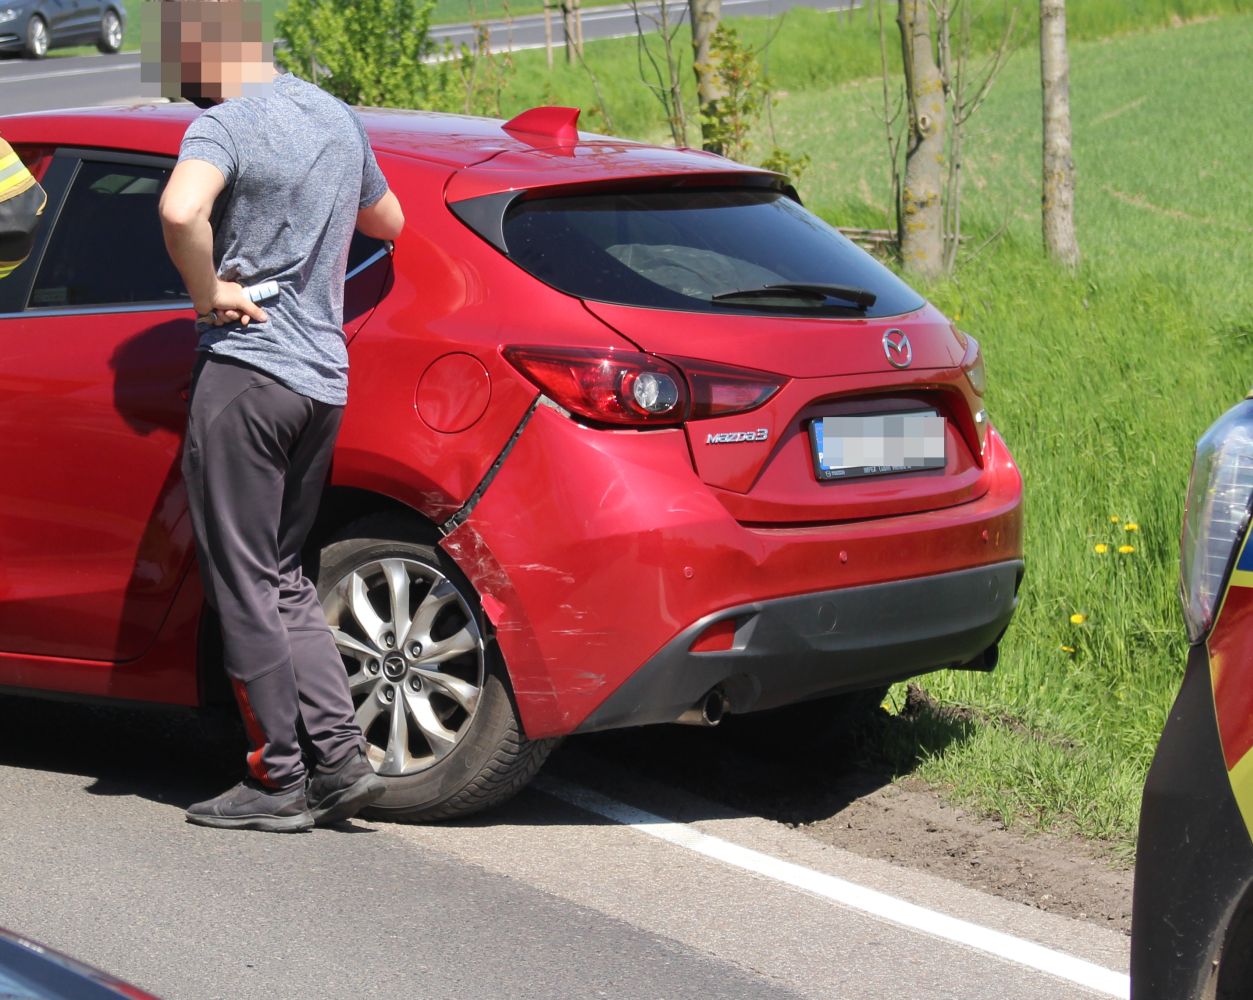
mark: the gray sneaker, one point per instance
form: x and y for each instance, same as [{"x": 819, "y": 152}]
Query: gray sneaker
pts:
[
  {"x": 252, "y": 806},
  {"x": 340, "y": 792}
]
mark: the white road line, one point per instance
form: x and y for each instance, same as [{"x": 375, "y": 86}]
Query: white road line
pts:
[
  {"x": 67, "y": 72},
  {"x": 869, "y": 901}
]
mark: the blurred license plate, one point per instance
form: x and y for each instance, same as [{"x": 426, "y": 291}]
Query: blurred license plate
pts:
[{"x": 878, "y": 444}]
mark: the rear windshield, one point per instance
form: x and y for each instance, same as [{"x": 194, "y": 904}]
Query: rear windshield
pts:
[{"x": 696, "y": 250}]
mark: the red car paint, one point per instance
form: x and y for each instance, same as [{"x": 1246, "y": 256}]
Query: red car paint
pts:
[{"x": 590, "y": 549}]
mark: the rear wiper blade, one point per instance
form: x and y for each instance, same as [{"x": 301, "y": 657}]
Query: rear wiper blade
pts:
[{"x": 863, "y": 298}]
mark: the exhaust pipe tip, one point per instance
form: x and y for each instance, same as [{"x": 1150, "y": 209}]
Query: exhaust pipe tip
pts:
[{"x": 708, "y": 712}]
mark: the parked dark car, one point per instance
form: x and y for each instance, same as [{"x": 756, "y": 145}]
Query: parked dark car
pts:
[
  {"x": 32, "y": 27},
  {"x": 1192, "y": 917}
]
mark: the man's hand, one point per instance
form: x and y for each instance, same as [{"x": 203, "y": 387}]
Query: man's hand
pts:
[{"x": 229, "y": 304}]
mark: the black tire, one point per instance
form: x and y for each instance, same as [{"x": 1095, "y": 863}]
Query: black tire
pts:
[
  {"x": 110, "y": 40},
  {"x": 491, "y": 760},
  {"x": 37, "y": 40}
]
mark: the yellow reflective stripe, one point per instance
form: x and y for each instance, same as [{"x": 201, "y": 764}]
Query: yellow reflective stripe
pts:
[
  {"x": 7, "y": 160},
  {"x": 1241, "y": 578},
  {"x": 1242, "y": 786},
  {"x": 7, "y": 269},
  {"x": 11, "y": 187},
  {"x": 10, "y": 165}
]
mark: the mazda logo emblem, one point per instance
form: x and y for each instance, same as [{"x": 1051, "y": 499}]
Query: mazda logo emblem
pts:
[{"x": 896, "y": 347}]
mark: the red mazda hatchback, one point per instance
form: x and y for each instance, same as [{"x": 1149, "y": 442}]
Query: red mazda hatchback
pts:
[{"x": 632, "y": 438}]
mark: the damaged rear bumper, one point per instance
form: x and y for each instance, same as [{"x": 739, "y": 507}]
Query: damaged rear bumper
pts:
[{"x": 795, "y": 648}]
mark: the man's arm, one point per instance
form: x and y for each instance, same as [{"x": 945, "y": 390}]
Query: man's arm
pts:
[
  {"x": 383, "y": 220},
  {"x": 186, "y": 205}
]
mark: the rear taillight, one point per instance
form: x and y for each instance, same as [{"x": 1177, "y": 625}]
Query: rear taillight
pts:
[
  {"x": 972, "y": 365},
  {"x": 632, "y": 388},
  {"x": 718, "y": 390}
]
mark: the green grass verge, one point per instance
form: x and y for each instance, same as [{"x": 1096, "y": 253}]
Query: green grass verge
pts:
[{"x": 1101, "y": 384}]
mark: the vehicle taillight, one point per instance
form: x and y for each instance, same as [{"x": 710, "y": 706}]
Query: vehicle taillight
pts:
[
  {"x": 632, "y": 388},
  {"x": 972, "y": 365},
  {"x": 720, "y": 389}
]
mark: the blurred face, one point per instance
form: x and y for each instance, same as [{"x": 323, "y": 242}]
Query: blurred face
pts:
[{"x": 206, "y": 51}]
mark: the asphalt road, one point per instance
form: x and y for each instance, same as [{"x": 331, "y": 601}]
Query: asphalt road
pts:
[
  {"x": 630, "y": 889},
  {"x": 83, "y": 81},
  {"x": 614, "y": 22}
]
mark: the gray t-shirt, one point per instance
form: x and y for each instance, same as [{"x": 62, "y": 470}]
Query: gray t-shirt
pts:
[{"x": 298, "y": 167}]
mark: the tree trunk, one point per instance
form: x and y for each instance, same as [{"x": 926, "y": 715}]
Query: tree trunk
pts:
[
  {"x": 705, "y": 16},
  {"x": 922, "y": 216},
  {"x": 548, "y": 31},
  {"x": 1059, "y": 165}
]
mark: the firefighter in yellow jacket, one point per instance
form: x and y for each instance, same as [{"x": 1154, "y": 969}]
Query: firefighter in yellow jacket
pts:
[{"x": 22, "y": 202}]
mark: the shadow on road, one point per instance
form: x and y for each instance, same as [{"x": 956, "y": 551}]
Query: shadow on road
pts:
[
  {"x": 174, "y": 756},
  {"x": 760, "y": 766}
]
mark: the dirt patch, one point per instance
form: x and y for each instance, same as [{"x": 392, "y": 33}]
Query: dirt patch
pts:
[
  {"x": 1139, "y": 201},
  {"x": 910, "y": 824},
  {"x": 1182, "y": 22},
  {"x": 1116, "y": 112}
]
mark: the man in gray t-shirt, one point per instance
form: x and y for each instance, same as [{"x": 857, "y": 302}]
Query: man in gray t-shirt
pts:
[{"x": 269, "y": 187}]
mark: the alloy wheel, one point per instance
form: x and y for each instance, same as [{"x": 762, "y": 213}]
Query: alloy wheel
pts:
[
  {"x": 38, "y": 38},
  {"x": 112, "y": 31},
  {"x": 415, "y": 660}
]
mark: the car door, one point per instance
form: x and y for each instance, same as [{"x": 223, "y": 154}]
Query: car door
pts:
[
  {"x": 86, "y": 18},
  {"x": 61, "y": 16},
  {"x": 97, "y": 344}
]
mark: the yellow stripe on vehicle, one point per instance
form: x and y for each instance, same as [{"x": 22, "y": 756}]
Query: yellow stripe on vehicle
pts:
[
  {"x": 1242, "y": 787},
  {"x": 1241, "y": 578}
]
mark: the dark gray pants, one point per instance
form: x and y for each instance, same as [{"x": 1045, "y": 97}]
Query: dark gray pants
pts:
[{"x": 255, "y": 461}]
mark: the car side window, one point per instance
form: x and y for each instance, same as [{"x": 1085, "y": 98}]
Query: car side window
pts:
[{"x": 107, "y": 248}]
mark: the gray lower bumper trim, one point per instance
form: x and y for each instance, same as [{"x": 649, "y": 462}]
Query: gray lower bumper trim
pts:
[{"x": 795, "y": 648}]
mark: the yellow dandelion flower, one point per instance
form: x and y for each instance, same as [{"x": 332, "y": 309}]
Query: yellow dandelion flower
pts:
[
  {"x": 1068, "y": 649},
  {"x": 1131, "y": 526},
  {"x": 1114, "y": 519},
  {"x": 1126, "y": 549},
  {"x": 1078, "y": 619},
  {"x": 1100, "y": 548}
]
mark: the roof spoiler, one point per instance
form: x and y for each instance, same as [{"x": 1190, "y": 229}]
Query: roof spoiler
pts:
[{"x": 547, "y": 124}]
